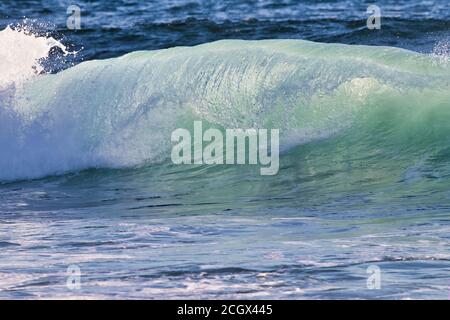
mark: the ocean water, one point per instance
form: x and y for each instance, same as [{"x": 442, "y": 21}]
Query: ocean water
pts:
[{"x": 86, "y": 181}]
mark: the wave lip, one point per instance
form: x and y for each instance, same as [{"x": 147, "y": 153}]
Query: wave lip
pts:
[{"x": 120, "y": 112}]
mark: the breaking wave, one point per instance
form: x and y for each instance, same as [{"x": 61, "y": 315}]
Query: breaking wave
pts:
[{"x": 120, "y": 112}]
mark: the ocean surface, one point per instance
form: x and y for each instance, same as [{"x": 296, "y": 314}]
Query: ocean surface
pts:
[{"x": 86, "y": 181}]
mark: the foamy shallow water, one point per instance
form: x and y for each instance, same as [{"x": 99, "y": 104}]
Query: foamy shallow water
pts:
[{"x": 132, "y": 242}]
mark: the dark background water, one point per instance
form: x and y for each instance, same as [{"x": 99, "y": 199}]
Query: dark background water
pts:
[{"x": 113, "y": 28}]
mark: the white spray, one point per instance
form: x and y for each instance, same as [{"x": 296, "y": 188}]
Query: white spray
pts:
[{"x": 21, "y": 54}]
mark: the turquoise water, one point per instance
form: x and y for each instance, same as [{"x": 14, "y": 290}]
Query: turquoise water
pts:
[{"x": 363, "y": 179}]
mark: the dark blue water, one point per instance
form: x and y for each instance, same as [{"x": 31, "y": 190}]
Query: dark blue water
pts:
[
  {"x": 375, "y": 194},
  {"x": 113, "y": 28}
]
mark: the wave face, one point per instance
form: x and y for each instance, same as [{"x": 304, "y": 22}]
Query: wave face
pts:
[{"x": 120, "y": 112}]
